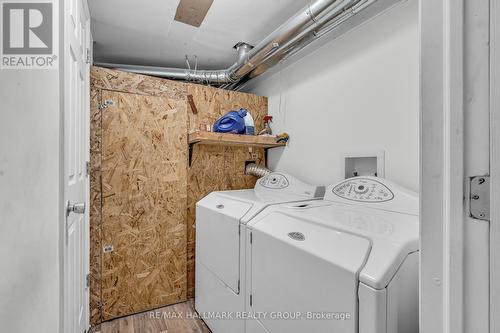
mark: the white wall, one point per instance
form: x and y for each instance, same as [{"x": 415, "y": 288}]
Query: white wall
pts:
[
  {"x": 29, "y": 201},
  {"x": 359, "y": 92}
]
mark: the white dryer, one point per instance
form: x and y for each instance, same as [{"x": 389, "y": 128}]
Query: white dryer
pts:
[
  {"x": 345, "y": 264},
  {"x": 220, "y": 245}
]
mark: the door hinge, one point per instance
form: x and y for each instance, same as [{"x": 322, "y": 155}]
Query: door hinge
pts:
[
  {"x": 88, "y": 56},
  {"x": 251, "y": 238},
  {"x": 251, "y": 300},
  {"x": 238, "y": 285},
  {"x": 104, "y": 105},
  {"x": 87, "y": 168},
  {"x": 479, "y": 199},
  {"x": 108, "y": 248},
  {"x": 87, "y": 280}
]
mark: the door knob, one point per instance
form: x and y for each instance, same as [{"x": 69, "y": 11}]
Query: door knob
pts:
[{"x": 77, "y": 208}]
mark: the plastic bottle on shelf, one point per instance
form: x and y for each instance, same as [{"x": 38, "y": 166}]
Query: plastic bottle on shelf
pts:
[
  {"x": 249, "y": 123},
  {"x": 231, "y": 122}
]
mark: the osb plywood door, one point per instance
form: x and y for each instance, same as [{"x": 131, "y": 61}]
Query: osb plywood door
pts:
[
  {"x": 118, "y": 278},
  {"x": 216, "y": 168},
  {"x": 144, "y": 197}
]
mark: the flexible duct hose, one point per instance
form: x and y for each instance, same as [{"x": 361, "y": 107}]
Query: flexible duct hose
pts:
[{"x": 256, "y": 170}]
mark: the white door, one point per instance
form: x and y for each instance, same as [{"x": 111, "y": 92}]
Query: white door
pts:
[{"x": 76, "y": 146}]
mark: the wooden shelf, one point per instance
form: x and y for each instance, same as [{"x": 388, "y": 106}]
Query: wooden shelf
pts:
[{"x": 224, "y": 139}]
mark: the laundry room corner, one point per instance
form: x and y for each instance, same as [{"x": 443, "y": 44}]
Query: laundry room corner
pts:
[
  {"x": 356, "y": 93},
  {"x": 250, "y": 166}
]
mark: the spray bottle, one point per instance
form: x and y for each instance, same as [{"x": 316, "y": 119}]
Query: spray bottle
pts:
[{"x": 267, "y": 128}]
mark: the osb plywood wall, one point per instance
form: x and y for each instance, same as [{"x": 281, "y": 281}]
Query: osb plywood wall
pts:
[{"x": 143, "y": 192}]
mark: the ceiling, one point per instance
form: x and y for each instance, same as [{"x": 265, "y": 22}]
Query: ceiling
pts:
[{"x": 145, "y": 33}]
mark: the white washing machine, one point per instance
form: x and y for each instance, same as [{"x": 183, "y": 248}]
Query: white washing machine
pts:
[
  {"x": 345, "y": 264},
  {"x": 220, "y": 245}
]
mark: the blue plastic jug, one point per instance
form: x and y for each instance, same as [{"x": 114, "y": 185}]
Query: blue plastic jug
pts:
[{"x": 231, "y": 122}]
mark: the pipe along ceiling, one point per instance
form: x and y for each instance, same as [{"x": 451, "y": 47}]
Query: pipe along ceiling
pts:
[{"x": 309, "y": 24}]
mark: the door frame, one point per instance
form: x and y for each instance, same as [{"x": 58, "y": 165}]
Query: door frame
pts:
[
  {"x": 89, "y": 55},
  {"x": 494, "y": 166},
  {"x": 441, "y": 165},
  {"x": 446, "y": 82}
]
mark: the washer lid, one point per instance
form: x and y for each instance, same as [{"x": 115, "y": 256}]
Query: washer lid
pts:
[
  {"x": 392, "y": 236},
  {"x": 305, "y": 268},
  {"x": 344, "y": 249}
]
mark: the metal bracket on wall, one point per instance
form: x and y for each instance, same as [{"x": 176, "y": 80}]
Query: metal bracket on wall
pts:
[
  {"x": 88, "y": 56},
  {"x": 191, "y": 146},
  {"x": 479, "y": 199},
  {"x": 190, "y": 154},
  {"x": 100, "y": 308}
]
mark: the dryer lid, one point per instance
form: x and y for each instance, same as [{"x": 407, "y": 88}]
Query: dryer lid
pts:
[{"x": 272, "y": 189}]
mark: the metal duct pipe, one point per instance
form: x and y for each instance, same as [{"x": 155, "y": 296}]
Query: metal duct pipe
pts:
[
  {"x": 215, "y": 76},
  {"x": 243, "y": 49},
  {"x": 292, "y": 35},
  {"x": 324, "y": 25},
  {"x": 256, "y": 170},
  {"x": 335, "y": 11},
  {"x": 290, "y": 31}
]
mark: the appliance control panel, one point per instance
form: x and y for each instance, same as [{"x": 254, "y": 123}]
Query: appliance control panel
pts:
[
  {"x": 286, "y": 184},
  {"x": 275, "y": 181},
  {"x": 363, "y": 189}
]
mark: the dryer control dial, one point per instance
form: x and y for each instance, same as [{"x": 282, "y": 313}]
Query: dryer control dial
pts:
[
  {"x": 364, "y": 190},
  {"x": 275, "y": 181}
]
